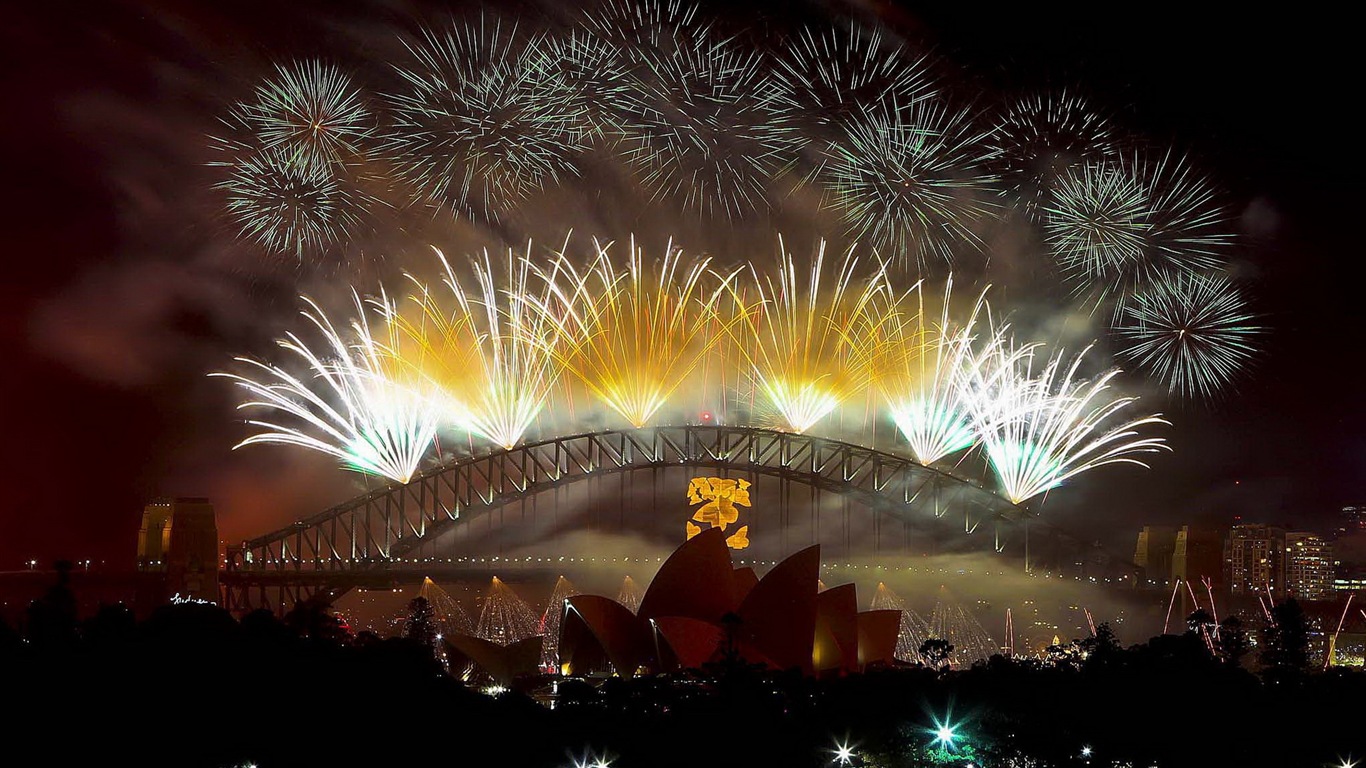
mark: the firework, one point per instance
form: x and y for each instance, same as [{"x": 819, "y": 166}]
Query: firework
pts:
[
  {"x": 310, "y": 111},
  {"x": 924, "y": 384},
  {"x": 451, "y": 619},
  {"x": 1193, "y": 332},
  {"x": 486, "y": 353},
  {"x": 713, "y": 129},
  {"x": 913, "y": 630},
  {"x": 952, "y": 621},
  {"x": 1096, "y": 226},
  {"x": 1187, "y": 227},
  {"x": 912, "y": 182},
  {"x": 1115, "y": 226},
  {"x": 549, "y": 628},
  {"x": 644, "y": 30},
  {"x": 811, "y": 346},
  {"x": 1040, "y": 136},
  {"x": 629, "y": 594},
  {"x": 832, "y": 74},
  {"x": 505, "y": 618},
  {"x": 583, "y": 73},
  {"x": 632, "y": 335},
  {"x": 1040, "y": 431},
  {"x": 472, "y": 128},
  {"x": 351, "y": 406},
  {"x": 289, "y": 203}
]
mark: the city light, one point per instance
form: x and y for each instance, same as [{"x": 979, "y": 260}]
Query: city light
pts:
[
  {"x": 844, "y": 754},
  {"x": 944, "y": 734},
  {"x": 1085, "y": 751}
]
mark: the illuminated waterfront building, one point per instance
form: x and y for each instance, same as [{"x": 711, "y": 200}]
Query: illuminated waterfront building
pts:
[
  {"x": 1308, "y": 566},
  {"x": 1255, "y": 559}
]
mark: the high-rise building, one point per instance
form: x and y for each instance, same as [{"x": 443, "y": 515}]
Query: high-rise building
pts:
[
  {"x": 1255, "y": 559},
  {"x": 1153, "y": 554},
  {"x": 1308, "y": 566},
  {"x": 1350, "y": 579},
  {"x": 1198, "y": 554},
  {"x": 179, "y": 537},
  {"x": 1353, "y": 519}
]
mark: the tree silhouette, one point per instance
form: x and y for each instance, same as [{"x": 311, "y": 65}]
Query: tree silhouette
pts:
[
  {"x": 112, "y": 625},
  {"x": 313, "y": 619},
  {"x": 1286, "y": 652},
  {"x": 10, "y": 640},
  {"x": 420, "y": 625},
  {"x": 935, "y": 651},
  {"x": 1065, "y": 655},
  {"x": 1233, "y": 644},
  {"x": 1199, "y": 619},
  {"x": 1102, "y": 648},
  {"x": 52, "y": 617}
]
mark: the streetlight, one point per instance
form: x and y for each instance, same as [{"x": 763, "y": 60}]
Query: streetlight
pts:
[{"x": 844, "y": 754}]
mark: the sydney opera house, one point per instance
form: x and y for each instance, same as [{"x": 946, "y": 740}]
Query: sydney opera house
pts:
[{"x": 699, "y": 610}]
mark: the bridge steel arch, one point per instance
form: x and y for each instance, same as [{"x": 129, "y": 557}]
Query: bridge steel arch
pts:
[{"x": 356, "y": 540}]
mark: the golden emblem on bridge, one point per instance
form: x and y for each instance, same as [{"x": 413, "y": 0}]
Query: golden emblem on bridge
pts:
[{"x": 720, "y": 498}]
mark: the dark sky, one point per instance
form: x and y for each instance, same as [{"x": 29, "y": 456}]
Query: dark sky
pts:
[{"x": 120, "y": 293}]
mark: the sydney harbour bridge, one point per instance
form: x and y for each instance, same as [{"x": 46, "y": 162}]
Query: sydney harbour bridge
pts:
[{"x": 507, "y": 511}]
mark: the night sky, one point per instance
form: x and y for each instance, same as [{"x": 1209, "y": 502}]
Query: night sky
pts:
[{"x": 122, "y": 290}]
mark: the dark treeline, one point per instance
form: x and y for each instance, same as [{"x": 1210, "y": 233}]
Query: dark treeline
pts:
[{"x": 191, "y": 686}]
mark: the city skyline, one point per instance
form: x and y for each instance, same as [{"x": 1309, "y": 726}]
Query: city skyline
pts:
[{"x": 157, "y": 397}]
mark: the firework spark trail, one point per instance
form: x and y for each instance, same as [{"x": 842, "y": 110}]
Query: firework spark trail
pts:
[
  {"x": 353, "y": 407},
  {"x": 1213, "y": 609},
  {"x": 1193, "y": 332},
  {"x": 584, "y": 74},
  {"x": 1328, "y": 658},
  {"x": 648, "y": 30},
  {"x": 632, "y": 335},
  {"x": 1115, "y": 226},
  {"x": 1040, "y": 431},
  {"x": 1194, "y": 600},
  {"x": 912, "y": 631},
  {"x": 549, "y": 627},
  {"x": 912, "y": 182},
  {"x": 451, "y": 619},
  {"x": 952, "y": 621},
  {"x": 1187, "y": 224},
  {"x": 486, "y": 353},
  {"x": 832, "y": 73},
  {"x": 1172, "y": 603},
  {"x": 924, "y": 383},
  {"x": 472, "y": 129},
  {"x": 288, "y": 203},
  {"x": 505, "y": 618},
  {"x": 312, "y": 112},
  {"x": 1039, "y": 137},
  {"x": 713, "y": 130},
  {"x": 1095, "y": 227},
  {"x": 813, "y": 345},
  {"x": 629, "y": 594}
]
